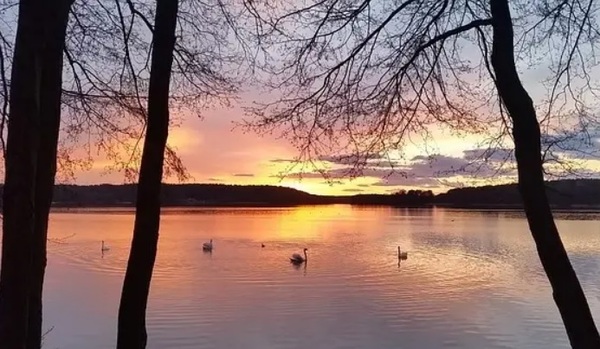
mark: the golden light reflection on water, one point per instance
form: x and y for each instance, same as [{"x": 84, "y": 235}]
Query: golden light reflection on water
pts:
[{"x": 469, "y": 278}]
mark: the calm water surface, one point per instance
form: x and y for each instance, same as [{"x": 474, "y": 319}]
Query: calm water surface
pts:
[{"x": 472, "y": 279}]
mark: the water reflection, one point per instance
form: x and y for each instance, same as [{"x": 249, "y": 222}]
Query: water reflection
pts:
[
  {"x": 301, "y": 267},
  {"x": 473, "y": 279}
]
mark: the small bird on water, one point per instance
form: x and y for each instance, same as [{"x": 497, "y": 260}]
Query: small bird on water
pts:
[{"x": 402, "y": 255}]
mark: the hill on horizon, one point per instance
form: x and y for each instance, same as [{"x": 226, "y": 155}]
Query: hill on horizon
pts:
[{"x": 561, "y": 193}]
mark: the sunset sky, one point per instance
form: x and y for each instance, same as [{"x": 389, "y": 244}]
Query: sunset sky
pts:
[{"x": 214, "y": 152}]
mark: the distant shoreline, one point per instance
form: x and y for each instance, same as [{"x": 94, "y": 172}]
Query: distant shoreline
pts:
[
  {"x": 474, "y": 207},
  {"x": 573, "y": 195}
]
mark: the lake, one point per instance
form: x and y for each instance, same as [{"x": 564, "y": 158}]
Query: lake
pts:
[{"x": 472, "y": 279}]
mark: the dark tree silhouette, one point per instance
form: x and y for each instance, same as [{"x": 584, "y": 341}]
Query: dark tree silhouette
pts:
[
  {"x": 18, "y": 194},
  {"x": 136, "y": 287},
  {"x": 30, "y": 155},
  {"x": 566, "y": 288},
  {"x": 366, "y": 77},
  {"x": 50, "y": 116}
]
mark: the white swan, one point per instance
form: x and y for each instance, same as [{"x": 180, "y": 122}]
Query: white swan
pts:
[
  {"x": 402, "y": 255},
  {"x": 296, "y": 258},
  {"x": 105, "y": 247},
  {"x": 207, "y": 246}
]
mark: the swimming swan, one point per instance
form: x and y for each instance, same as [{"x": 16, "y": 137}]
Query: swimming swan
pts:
[
  {"x": 207, "y": 246},
  {"x": 402, "y": 255},
  {"x": 298, "y": 259}
]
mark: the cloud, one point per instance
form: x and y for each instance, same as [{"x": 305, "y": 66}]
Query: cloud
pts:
[
  {"x": 350, "y": 159},
  {"x": 212, "y": 179},
  {"x": 489, "y": 154},
  {"x": 353, "y": 190},
  {"x": 389, "y": 164},
  {"x": 442, "y": 166},
  {"x": 384, "y": 177},
  {"x": 409, "y": 182},
  {"x": 300, "y": 175},
  {"x": 433, "y": 171},
  {"x": 580, "y": 144},
  {"x": 243, "y": 175},
  {"x": 566, "y": 152},
  {"x": 437, "y": 165},
  {"x": 282, "y": 160}
]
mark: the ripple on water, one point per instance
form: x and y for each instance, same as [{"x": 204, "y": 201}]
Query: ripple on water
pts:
[
  {"x": 90, "y": 257},
  {"x": 349, "y": 294}
]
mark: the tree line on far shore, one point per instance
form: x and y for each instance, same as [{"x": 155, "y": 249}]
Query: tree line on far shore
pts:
[{"x": 576, "y": 193}]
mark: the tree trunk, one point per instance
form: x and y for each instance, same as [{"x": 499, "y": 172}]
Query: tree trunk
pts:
[
  {"x": 20, "y": 166},
  {"x": 567, "y": 291},
  {"x": 55, "y": 26},
  {"x": 136, "y": 287}
]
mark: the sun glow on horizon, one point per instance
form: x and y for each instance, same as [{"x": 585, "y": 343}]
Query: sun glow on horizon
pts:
[{"x": 214, "y": 153}]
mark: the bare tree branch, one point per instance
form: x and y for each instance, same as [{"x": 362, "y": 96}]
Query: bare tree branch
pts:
[{"x": 362, "y": 77}]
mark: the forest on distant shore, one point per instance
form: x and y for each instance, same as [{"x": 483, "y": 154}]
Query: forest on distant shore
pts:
[{"x": 564, "y": 193}]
